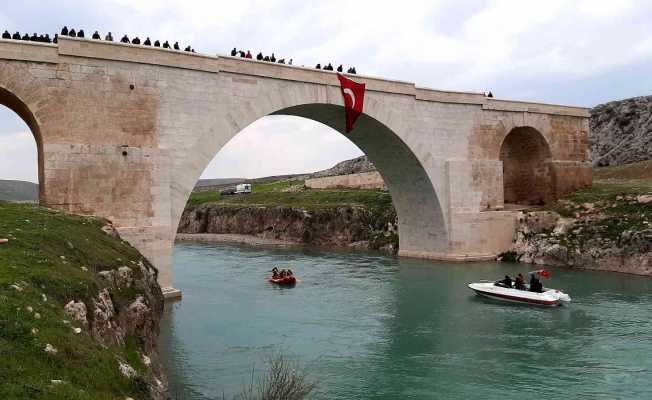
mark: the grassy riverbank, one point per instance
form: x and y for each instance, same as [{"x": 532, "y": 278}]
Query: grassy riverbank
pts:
[
  {"x": 293, "y": 194},
  {"x": 50, "y": 259},
  {"x": 613, "y": 204},
  {"x": 605, "y": 227},
  {"x": 287, "y": 210}
]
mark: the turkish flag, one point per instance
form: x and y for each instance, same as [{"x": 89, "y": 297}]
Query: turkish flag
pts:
[{"x": 353, "y": 94}]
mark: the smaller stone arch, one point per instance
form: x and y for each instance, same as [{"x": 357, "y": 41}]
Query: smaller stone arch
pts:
[
  {"x": 527, "y": 167},
  {"x": 14, "y": 103}
]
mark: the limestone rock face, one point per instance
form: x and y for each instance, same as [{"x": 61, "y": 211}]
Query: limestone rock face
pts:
[
  {"x": 76, "y": 310},
  {"x": 544, "y": 238},
  {"x": 621, "y": 132},
  {"x": 354, "y": 166},
  {"x": 339, "y": 226},
  {"x": 104, "y": 328}
]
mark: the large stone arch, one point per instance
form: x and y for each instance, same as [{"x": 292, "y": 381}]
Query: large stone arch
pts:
[
  {"x": 527, "y": 171},
  {"x": 17, "y": 105},
  {"x": 421, "y": 218}
]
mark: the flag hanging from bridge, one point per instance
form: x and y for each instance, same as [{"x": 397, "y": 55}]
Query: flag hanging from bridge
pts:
[{"x": 353, "y": 94}]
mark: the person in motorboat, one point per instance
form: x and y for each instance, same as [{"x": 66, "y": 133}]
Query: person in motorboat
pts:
[
  {"x": 535, "y": 284},
  {"x": 274, "y": 273},
  {"x": 519, "y": 282},
  {"x": 507, "y": 282},
  {"x": 289, "y": 272}
]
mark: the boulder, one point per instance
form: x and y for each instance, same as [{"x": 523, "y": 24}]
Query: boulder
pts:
[
  {"x": 644, "y": 199},
  {"x": 77, "y": 310}
]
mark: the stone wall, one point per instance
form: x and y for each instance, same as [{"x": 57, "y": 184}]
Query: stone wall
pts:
[{"x": 365, "y": 180}]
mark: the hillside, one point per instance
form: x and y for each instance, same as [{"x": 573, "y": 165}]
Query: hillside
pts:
[
  {"x": 79, "y": 310},
  {"x": 11, "y": 190},
  {"x": 605, "y": 227},
  {"x": 287, "y": 210},
  {"x": 621, "y": 132}
]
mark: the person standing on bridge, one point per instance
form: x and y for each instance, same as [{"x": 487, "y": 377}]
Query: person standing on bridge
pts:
[
  {"x": 318, "y": 66},
  {"x": 234, "y": 52},
  {"x": 272, "y": 58},
  {"x": 64, "y": 31},
  {"x": 249, "y": 55},
  {"x": 16, "y": 36},
  {"x": 96, "y": 36},
  {"x": 176, "y": 46},
  {"x": 6, "y": 35},
  {"x": 80, "y": 34},
  {"x": 259, "y": 56},
  {"x": 109, "y": 37},
  {"x": 157, "y": 43},
  {"x": 136, "y": 40},
  {"x": 147, "y": 42},
  {"x": 166, "y": 45},
  {"x": 125, "y": 39}
]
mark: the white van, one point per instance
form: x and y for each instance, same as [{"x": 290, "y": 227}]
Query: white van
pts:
[{"x": 243, "y": 188}]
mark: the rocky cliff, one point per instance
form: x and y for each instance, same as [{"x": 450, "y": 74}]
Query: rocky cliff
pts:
[
  {"x": 353, "y": 166},
  {"x": 329, "y": 226},
  {"x": 613, "y": 235},
  {"x": 621, "y": 131},
  {"x": 79, "y": 310}
]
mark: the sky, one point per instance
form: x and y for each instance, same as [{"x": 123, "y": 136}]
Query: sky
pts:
[{"x": 581, "y": 52}]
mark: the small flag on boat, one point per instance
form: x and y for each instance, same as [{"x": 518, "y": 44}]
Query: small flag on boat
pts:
[{"x": 543, "y": 273}]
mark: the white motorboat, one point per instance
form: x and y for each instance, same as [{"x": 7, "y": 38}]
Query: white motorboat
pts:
[{"x": 547, "y": 297}]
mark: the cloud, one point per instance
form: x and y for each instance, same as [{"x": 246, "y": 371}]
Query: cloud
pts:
[
  {"x": 278, "y": 145},
  {"x": 19, "y": 157}
]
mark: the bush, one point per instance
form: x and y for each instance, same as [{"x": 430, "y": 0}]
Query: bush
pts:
[{"x": 284, "y": 381}]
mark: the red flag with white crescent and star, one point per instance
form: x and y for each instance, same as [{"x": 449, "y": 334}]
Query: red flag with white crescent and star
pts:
[{"x": 353, "y": 94}]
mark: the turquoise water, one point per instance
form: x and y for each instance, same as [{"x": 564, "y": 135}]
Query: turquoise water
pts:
[{"x": 367, "y": 326}]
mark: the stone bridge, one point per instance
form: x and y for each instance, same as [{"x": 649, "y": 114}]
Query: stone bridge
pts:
[{"x": 125, "y": 131}]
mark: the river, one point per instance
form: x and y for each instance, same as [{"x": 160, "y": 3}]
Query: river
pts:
[{"x": 369, "y": 326}]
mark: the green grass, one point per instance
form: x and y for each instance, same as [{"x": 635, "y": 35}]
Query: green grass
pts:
[
  {"x": 605, "y": 210},
  {"x": 33, "y": 259},
  {"x": 197, "y": 198},
  {"x": 292, "y": 193}
]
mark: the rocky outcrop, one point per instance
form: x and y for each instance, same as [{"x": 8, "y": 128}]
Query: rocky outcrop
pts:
[
  {"x": 621, "y": 132},
  {"x": 115, "y": 316},
  {"x": 354, "y": 166},
  {"x": 545, "y": 238},
  {"x": 337, "y": 226}
]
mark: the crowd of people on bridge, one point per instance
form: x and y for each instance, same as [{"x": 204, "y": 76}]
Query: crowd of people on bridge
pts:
[
  {"x": 329, "y": 67},
  {"x": 45, "y": 38},
  {"x": 42, "y": 38},
  {"x": 260, "y": 57},
  {"x": 65, "y": 31}
]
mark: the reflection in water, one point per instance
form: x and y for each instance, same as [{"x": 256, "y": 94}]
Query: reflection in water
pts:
[{"x": 374, "y": 327}]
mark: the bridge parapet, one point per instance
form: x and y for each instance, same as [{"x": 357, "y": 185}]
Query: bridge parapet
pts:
[{"x": 116, "y": 51}]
